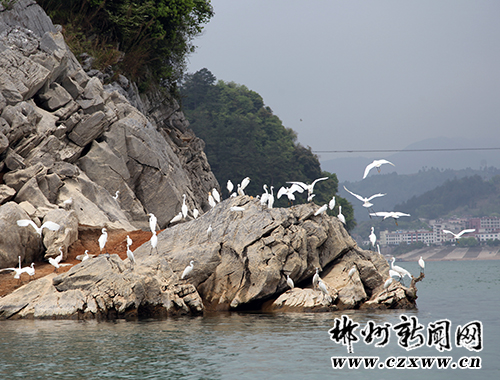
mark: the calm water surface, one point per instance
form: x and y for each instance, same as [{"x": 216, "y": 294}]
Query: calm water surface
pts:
[{"x": 255, "y": 346}]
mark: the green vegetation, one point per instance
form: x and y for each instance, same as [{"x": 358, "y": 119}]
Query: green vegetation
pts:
[
  {"x": 244, "y": 138},
  {"x": 145, "y": 38}
]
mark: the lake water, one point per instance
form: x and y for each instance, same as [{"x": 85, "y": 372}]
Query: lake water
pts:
[{"x": 258, "y": 346}]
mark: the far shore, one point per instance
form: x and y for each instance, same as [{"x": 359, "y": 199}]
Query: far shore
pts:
[{"x": 452, "y": 253}]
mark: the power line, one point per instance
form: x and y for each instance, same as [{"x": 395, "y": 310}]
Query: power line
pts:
[{"x": 402, "y": 151}]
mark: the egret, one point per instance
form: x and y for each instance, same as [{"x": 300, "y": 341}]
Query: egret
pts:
[
  {"x": 316, "y": 279},
  {"x": 388, "y": 283},
  {"x": 103, "y": 239},
  {"x": 184, "y": 207},
  {"x": 209, "y": 231},
  {"x": 237, "y": 209},
  {"x": 85, "y": 256},
  {"x": 309, "y": 188},
  {"x": 366, "y": 201},
  {"x": 392, "y": 214},
  {"x": 289, "y": 282},
  {"x": 321, "y": 210},
  {"x": 154, "y": 242},
  {"x": 216, "y": 195},
  {"x": 378, "y": 249},
  {"x": 394, "y": 274},
  {"x": 211, "y": 200},
  {"x": 229, "y": 186},
  {"x": 67, "y": 203},
  {"x": 30, "y": 271},
  {"x": 176, "y": 218},
  {"x": 459, "y": 235},
  {"x": 115, "y": 197},
  {"x": 265, "y": 196},
  {"x": 49, "y": 225},
  {"x": 187, "y": 270},
  {"x": 373, "y": 237},
  {"x": 129, "y": 241},
  {"x": 324, "y": 290},
  {"x": 270, "y": 200},
  {"x": 288, "y": 191},
  {"x": 240, "y": 190},
  {"x": 403, "y": 272},
  {"x": 56, "y": 262},
  {"x": 421, "y": 263},
  {"x": 340, "y": 215},
  {"x": 196, "y": 213},
  {"x": 376, "y": 164},
  {"x": 152, "y": 222},
  {"x": 331, "y": 204},
  {"x": 131, "y": 257},
  {"x": 245, "y": 183},
  {"x": 351, "y": 272},
  {"x": 17, "y": 271}
]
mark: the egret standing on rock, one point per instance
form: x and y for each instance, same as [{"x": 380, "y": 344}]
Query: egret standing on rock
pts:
[
  {"x": 115, "y": 197},
  {"x": 373, "y": 237},
  {"x": 176, "y": 218},
  {"x": 216, "y": 195},
  {"x": 154, "y": 242},
  {"x": 324, "y": 290},
  {"x": 264, "y": 197},
  {"x": 403, "y": 272},
  {"x": 321, "y": 210},
  {"x": 229, "y": 186},
  {"x": 316, "y": 279},
  {"x": 351, "y": 272},
  {"x": 376, "y": 164},
  {"x": 209, "y": 231},
  {"x": 211, "y": 200},
  {"x": 270, "y": 200},
  {"x": 152, "y": 222},
  {"x": 103, "y": 239},
  {"x": 340, "y": 215},
  {"x": 331, "y": 204},
  {"x": 56, "y": 262},
  {"x": 187, "y": 270},
  {"x": 289, "y": 282},
  {"x": 184, "y": 208}
]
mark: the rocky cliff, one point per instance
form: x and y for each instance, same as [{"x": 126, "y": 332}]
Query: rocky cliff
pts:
[{"x": 64, "y": 136}]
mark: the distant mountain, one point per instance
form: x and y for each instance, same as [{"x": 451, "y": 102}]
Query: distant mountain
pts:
[{"x": 408, "y": 162}]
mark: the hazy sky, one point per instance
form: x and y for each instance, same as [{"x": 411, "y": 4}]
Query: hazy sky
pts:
[{"x": 363, "y": 74}]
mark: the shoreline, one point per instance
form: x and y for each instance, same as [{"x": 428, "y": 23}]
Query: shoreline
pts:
[{"x": 450, "y": 253}]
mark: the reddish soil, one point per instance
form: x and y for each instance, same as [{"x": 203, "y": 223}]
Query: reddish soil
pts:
[{"x": 87, "y": 240}]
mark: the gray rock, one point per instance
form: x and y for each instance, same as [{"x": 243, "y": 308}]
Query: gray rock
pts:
[
  {"x": 31, "y": 192},
  {"x": 67, "y": 234},
  {"x": 28, "y": 14},
  {"x": 16, "y": 179},
  {"x": 88, "y": 129},
  {"x": 14, "y": 161},
  {"x": 54, "y": 97},
  {"x": 6, "y": 193},
  {"x": 4, "y": 143}
]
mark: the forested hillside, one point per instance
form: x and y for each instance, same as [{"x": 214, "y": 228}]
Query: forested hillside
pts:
[{"x": 244, "y": 138}]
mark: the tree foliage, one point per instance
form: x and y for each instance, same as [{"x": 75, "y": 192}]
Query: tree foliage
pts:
[
  {"x": 245, "y": 139},
  {"x": 156, "y": 34}
]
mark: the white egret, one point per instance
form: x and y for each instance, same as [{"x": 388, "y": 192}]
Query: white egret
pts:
[
  {"x": 187, "y": 270},
  {"x": 49, "y": 225},
  {"x": 184, "y": 207},
  {"x": 351, "y": 272},
  {"x": 216, "y": 195},
  {"x": 196, "y": 213},
  {"x": 229, "y": 186},
  {"x": 103, "y": 239},
  {"x": 131, "y": 257},
  {"x": 366, "y": 201},
  {"x": 289, "y": 282},
  {"x": 154, "y": 242},
  {"x": 56, "y": 261},
  {"x": 270, "y": 200},
  {"x": 403, "y": 272},
  {"x": 17, "y": 270},
  {"x": 288, "y": 191},
  {"x": 324, "y": 290},
  {"x": 309, "y": 188},
  {"x": 321, "y": 210},
  {"x": 237, "y": 209},
  {"x": 316, "y": 279},
  {"x": 68, "y": 203},
  {"x": 152, "y": 222},
  {"x": 331, "y": 204},
  {"x": 209, "y": 231},
  {"x": 85, "y": 256},
  {"x": 388, "y": 283},
  {"x": 265, "y": 196},
  {"x": 378, "y": 249},
  {"x": 421, "y": 263},
  {"x": 115, "y": 197},
  {"x": 30, "y": 271},
  {"x": 240, "y": 190},
  {"x": 211, "y": 200},
  {"x": 461, "y": 233},
  {"x": 392, "y": 214},
  {"x": 394, "y": 274},
  {"x": 245, "y": 183},
  {"x": 340, "y": 215},
  {"x": 376, "y": 164},
  {"x": 373, "y": 237},
  {"x": 129, "y": 241},
  {"x": 176, "y": 218}
]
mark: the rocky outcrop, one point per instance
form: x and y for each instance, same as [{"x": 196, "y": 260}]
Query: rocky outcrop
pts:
[
  {"x": 67, "y": 137},
  {"x": 241, "y": 265}
]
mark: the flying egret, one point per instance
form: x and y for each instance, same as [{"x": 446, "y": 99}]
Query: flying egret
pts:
[
  {"x": 103, "y": 239},
  {"x": 152, "y": 222},
  {"x": 316, "y": 279},
  {"x": 288, "y": 191},
  {"x": 56, "y": 262},
  {"x": 115, "y": 197},
  {"x": 376, "y": 164},
  {"x": 421, "y": 263},
  {"x": 373, "y": 237},
  {"x": 366, "y": 201},
  {"x": 321, "y": 210},
  {"x": 245, "y": 183},
  {"x": 176, "y": 218},
  {"x": 49, "y": 225},
  {"x": 209, "y": 231},
  {"x": 265, "y": 196},
  {"x": 331, "y": 204},
  {"x": 196, "y": 213},
  {"x": 187, "y": 270},
  {"x": 289, "y": 282},
  {"x": 309, "y": 188},
  {"x": 154, "y": 242},
  {"x": 324, "y": 290},
  {"x": 211, "y": 200},
  {"x": 229, "y": 186},
  {"x": 270, "y": 200},
  {"x": 459, "y": 235},
  {"x": 184, "y": 207},
  {"x": 216, "y": 195},
  {"x": 340, "y": 215},
  {"x": 392, "y": 214},
  {"x": 403, "y": 272}
]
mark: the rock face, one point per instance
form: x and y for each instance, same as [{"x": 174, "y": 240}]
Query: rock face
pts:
[
  {"x": 241, "y": 265},
  {"x": 66, "y": 136}
]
